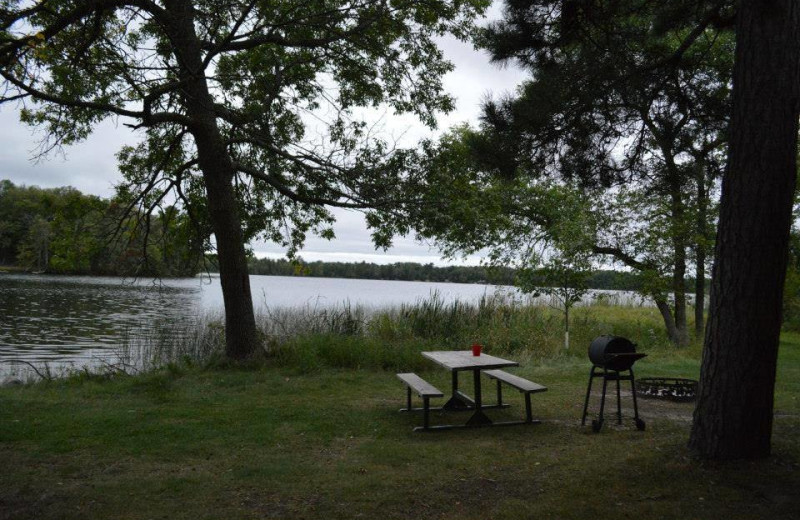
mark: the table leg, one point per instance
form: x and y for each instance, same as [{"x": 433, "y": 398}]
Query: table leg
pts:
[
  {"x": 478, "y": 418},
  {"x": 457, "y": 401}
]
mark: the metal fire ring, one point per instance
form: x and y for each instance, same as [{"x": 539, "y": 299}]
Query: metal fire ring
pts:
[{"x": 670, "y": 388}]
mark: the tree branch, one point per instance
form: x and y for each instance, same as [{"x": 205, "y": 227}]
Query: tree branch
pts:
[
  {"x": 284, "y": 190},
  {"x": 622, "y": 256},
  {"x": 147, "y": 119}
]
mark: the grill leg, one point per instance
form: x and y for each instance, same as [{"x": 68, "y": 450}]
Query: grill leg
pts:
[
  {"x": 603, "y": 400},
  {"x": 588, "y": 392},
  {"x": 619, "y": 403},
  {"x": 640, "y": 425}
]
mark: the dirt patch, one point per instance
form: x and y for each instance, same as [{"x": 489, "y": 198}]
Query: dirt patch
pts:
[{"x": 649, "y": 408}]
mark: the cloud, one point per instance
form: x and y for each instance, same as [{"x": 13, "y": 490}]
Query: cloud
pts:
[{"x": 89, "y": 166}]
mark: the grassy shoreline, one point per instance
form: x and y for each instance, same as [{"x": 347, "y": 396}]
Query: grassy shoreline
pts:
[
  {"x": 350, "y": 336},
  {"x": 313, "y": 431}
]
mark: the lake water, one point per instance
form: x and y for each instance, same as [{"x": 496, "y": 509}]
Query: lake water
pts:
[{"x": 73, "y": 320}]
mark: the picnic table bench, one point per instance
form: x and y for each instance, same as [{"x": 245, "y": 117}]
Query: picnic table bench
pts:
[
  {"x": 425, "y": 390},
  {"x": 521, "y": 384}
]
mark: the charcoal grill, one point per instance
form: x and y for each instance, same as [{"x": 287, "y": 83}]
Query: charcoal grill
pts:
[{"x": 612, "y": 359}]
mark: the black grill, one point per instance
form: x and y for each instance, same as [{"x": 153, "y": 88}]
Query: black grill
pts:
[
  {"x": 612, "y": 359},
  {"x": 613, "y": 353}
]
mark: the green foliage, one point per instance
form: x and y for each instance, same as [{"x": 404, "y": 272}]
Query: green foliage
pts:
[
  {"x": 398, "y": 271},
  {"x": 615, "y": 153},
  {"x": 791, "y": 288},
  {"x": 64, "y": 231},
  {"x": 250, "y": 73},
  {"x": 309, "y": 339},
  {"x": 566, "y": 277},
  {"x": 409, "y": 271}
]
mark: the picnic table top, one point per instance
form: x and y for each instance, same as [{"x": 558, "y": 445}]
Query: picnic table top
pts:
[{"x": 464, "y": 360}]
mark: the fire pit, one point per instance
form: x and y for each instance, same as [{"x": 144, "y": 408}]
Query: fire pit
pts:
[{"x": 670, "y": 388}]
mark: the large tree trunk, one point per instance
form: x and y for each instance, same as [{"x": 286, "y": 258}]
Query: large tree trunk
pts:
[
  {"x": 700, "y": 293},
  {"x": 733, "y": 417},
  {"x": 700, "y": 253},
  {"x": 241, "y": 334}
]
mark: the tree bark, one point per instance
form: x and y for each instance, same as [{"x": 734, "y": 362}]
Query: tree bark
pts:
[
  {"x": 669, "y": 321},
  {"x": 241, "y": 334},
  {"x": 679, "y": 240},
  {"x": 733, "y": 417},
  {"x": 700, "y": 254}
]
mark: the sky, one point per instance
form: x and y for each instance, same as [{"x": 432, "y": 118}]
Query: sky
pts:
[{"x": 91, "y": 165}]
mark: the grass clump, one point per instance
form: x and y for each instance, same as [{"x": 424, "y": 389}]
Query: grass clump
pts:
[
  {"x": 354, "y": 337},
  {"x": 312, "y": 352}
]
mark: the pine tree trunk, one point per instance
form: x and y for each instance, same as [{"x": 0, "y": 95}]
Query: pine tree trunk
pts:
[
  {"x": 700, "y": 294},
  {"x": 733, "y": 417},
  {"x": 700, "y": 255},
  {"x": 241, "y": 334}
]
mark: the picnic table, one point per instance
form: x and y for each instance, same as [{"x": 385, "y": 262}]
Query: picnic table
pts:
[{"x": 460, "y": 361}]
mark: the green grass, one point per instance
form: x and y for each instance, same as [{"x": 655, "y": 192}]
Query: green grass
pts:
[{"x": 295, "y": 438}]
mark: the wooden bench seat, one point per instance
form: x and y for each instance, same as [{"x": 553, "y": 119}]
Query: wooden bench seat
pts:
[
  {"x": 520, "y": 383},
  {"x": 425, "y": 390}
]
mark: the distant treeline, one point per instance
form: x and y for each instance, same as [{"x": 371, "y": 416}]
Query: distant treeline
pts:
[
  {"x": 409, "y": 271},
  {"x": 62, "y": 230}
]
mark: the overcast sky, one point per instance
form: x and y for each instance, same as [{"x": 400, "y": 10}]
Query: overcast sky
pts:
[{"x": 91, "y": 165}]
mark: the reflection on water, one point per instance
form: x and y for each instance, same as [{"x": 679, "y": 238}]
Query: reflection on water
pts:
[
  {"x": 75, "y": 320},
  {"x": 53, "y": 318}
]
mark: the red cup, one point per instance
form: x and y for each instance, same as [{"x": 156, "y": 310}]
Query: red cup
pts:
[{"x": 476, "y": 349}]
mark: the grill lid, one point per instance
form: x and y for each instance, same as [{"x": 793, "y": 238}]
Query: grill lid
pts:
[{"x": 613, "y": 352}]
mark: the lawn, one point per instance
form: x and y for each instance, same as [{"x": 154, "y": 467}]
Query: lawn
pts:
[{"x": 277, "y": 442}]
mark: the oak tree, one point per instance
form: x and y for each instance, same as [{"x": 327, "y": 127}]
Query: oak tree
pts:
[{"x": 246, "y": 109}]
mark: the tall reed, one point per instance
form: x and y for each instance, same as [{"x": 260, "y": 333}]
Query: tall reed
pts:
[{"x": 353, "y": 336}]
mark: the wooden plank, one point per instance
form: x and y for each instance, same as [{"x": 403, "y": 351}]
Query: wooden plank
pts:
[
  {"x": 520, "y": 383},
  {"x": 419, "y": 385},
  {"x": 464, "y": 360}
]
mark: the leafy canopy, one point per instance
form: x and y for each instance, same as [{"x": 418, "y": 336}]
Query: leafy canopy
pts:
[{"x": 285, "y": 80}]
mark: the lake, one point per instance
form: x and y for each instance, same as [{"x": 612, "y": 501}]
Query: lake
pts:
[{"x": 76, "y": 319}]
